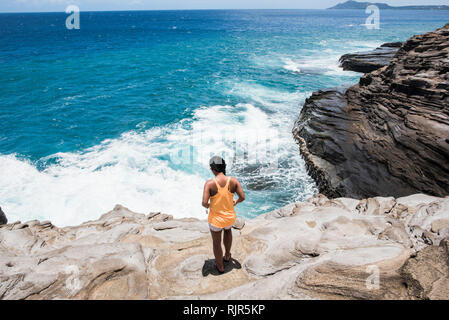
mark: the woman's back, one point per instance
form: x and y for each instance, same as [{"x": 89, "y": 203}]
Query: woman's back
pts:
[
  {"x": 222, "y": 180},
  {"x": 222, "y": 212},
  {"x": 218, "y": 197}
]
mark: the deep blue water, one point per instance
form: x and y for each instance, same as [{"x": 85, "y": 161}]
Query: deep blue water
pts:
[{"x": 129, "y": 108}]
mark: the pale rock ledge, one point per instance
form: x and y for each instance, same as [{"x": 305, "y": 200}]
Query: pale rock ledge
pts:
[{"x": 320, "y": 249}]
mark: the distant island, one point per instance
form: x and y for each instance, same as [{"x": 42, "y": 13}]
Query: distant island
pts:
[{"x": 362, "y": 5}]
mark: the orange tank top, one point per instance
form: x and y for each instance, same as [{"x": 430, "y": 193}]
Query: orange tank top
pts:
[{"x": 221, "y": 210}]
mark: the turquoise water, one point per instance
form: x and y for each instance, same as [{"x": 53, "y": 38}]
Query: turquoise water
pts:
[{"x": 129, "y": 108}]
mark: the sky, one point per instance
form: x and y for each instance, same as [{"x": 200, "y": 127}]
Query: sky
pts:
[{"x": 111, "y": 5}]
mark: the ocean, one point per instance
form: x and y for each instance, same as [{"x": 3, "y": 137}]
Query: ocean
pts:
[{"x": 129, "y": 108}]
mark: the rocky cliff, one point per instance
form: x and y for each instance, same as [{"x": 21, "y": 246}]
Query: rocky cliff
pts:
[
  {"x": 378, "y": 248},
  {"x": 389, "y": 134},
  {"x": 370, "y": 60}
]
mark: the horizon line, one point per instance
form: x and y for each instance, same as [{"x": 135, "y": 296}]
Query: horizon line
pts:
[
  {"x": 210, "y": 9},
  {"x": 143, "y": 10}
]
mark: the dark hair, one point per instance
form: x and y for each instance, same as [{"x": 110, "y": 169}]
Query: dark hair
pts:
[{"x": 218, "y": 164}]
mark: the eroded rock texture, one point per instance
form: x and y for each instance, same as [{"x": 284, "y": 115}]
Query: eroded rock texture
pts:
[
  {"x": 369, "y": 61},
  {"x": 377, "y": 248},
  {"x": 387, "y": 135}
]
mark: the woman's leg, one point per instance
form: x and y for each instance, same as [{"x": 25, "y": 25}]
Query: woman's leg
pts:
[
  {"x": 218, "y": 251},
  {"x": 227, "y": 239}
]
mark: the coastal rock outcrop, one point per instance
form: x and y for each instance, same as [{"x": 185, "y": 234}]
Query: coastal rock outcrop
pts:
[
  {"x": 389, "y": 134},
  {"x": 377, "y": 248},
  {"x": 369, "y": 61},
  {"x": 3, "y": 219}
]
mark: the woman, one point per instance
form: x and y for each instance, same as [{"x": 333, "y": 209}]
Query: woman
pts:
[{"x": 220, "y": 191}]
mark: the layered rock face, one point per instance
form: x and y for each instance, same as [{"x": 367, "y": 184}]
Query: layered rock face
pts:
[
  {"x": 370, "y": 60},
  {"x": 3, "y": 219},
  {"x": 387, "y": 135},
  {"x": 378, "y": 248}
]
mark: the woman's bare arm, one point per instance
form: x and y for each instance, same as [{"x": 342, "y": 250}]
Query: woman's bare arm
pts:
[
  {"x": 239, "y": 192},
  {"x": 206, "y": 195}
]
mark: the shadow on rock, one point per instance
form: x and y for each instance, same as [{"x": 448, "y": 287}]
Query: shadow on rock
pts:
[
  {"x": 3, "y": 219},
  {"x": 209, "y": 267}
]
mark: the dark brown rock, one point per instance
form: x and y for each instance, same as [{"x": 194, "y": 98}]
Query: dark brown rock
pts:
[
  {"x": 387, "y": 135},
  {"x": 3, "y": 219},
  {"x": 392, "y": 44},
  {"x": 369, "y": 61}
]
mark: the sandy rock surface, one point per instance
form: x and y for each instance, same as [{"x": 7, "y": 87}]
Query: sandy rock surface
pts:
[{"x": 377, "y": 248}]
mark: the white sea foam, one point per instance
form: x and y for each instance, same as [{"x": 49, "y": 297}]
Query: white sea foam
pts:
[
  {"x": 161, "y": 169},
  {"x": 291, "y": 65},
  {"x": 323, "y": 60},
  {"x": 318, "y": 64},
  {"x": 282, "y": 166},
  {"x": 83, "y": 185},
  {"x": 276, "y": 99}
]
